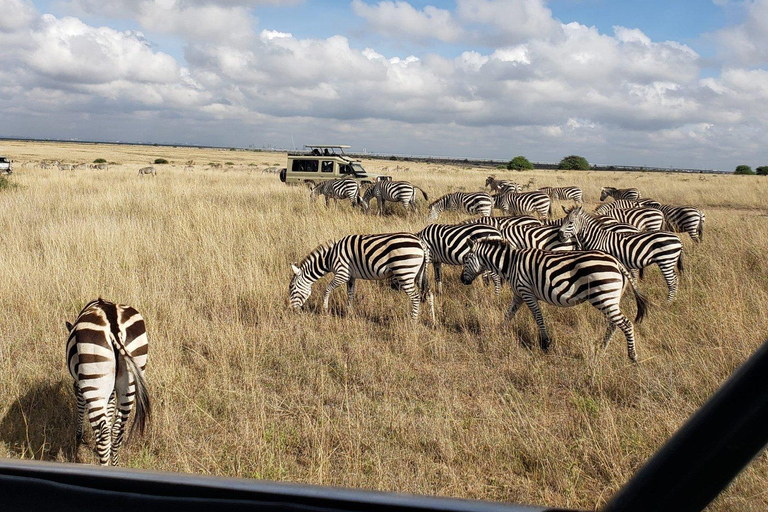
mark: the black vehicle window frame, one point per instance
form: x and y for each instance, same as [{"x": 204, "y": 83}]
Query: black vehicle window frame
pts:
[
  {"x": 304, "y": 166},
  {"x": 326, "y": 166}
]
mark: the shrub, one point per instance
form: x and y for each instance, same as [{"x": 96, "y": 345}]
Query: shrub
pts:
[
  {"x": 161, "y": 161},
  {"x": 6, "y": 184},
  {"x": 762, "y": 170},
  {"x": 743, "y": 169},
  {"x": 229, "y": 163},
  {"x": 519, "y": 163},
  {"x": 232, "y": 149},
  {"x": 99, "y": 161},
  {"x": 574, "y": 162}
]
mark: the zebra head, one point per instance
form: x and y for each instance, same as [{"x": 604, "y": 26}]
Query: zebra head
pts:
[
  {"x": 314, "y": 191},
  {"x": 571, "y": 224},
  {"x": 435, "y": 209},
  {"x": 306, "y": 273},
  {"x": 365, "y": 202},
  {"x": 473, "y": 265},
  {"x": 299, "y": 289},
  {"x": 605, "y": 192},
  {"x": 489, "y": 181}
]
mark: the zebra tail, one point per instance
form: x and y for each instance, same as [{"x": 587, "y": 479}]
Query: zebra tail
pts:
[
  {"x": 640, "y": 299},
  {"x": 700, "y": 229},
  {"x": 422, "y": 191},
  {"x": 143, "y": 406},
  {"x": 422, "y": 278},
  {"x": 680, "y": 262}
]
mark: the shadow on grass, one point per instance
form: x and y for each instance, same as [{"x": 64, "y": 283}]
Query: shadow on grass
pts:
[{"x": 41, "y": 423}]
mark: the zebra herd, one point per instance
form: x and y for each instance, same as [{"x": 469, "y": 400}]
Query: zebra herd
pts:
[{"x": 585, "y": 256}]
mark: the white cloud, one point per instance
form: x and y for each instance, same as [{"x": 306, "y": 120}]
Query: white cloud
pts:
[
  {"x": 746, "y": 43},
  {"x": 16, "y": 14},
  {"x": 511, "y": 21},
  {"x": 402, "y": 19}
]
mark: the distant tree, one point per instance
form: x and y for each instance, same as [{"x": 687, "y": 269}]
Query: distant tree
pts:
[
  {"x": 576, "y": 162},
  {"x": 161, "y": 161},
  {"x": 743, "y": 169},
  {"x": 762, "y": 170},
  {"x": 519, "y": 163},
  {"x": 99, "y": 161}
]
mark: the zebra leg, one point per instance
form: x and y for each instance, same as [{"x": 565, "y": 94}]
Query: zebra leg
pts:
[
  {"x": 81, "y": 411},
  {"x": 350, "y": 293},
  {"x": 438, "y": 276},
  {"x": 617, "y": 319},
  {"x": 496, "y": 278},
  {"x": 670, "y": 276},
  {"x": 409, "y": 287},
  {"x": 533, "y": 305},
  {"x": 337, "y": 281},
  {"x": 327, "y": 201},
  {"x": 516, "y": 303}
]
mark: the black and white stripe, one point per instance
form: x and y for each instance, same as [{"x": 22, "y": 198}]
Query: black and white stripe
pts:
[
  {"x": 633, "y": 251},
  {"x": 513, "y": 203},
  {"x": 450, "y": 243},
  {"x": 626, "y": 204},
  {"x": 644, "y": 219},
  {"x": 561, "y": 279},
  {"x": 106, "y": 356},
  {"x": 684, "y": 219},
  {"x": 477, "y": 203},
  {"x": 394, "y": 191},
  {"x": 619, "y": 193},
  {"x": 342, "y": 188},
  {"x": 402, "y": 256},
  {"x": 545, "y": 238},
  {"x": 563, "y": 193},
  {"x": 504, "y": 221},
  {"x": 502, "y": 185}
]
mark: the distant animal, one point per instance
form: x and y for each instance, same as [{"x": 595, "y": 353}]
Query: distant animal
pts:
[
  {"x": 342, "y": 188},
  {"x": 619, "y": 193},
  {"x": 102, "y": 166},
  {"x": 477, "y": 203},
  {"x": 188, "y": 168},
  {"x": 404, "y": 257},
  {"x": 633, "y": 251},
  {"x": 562, "y": 279},
  {"x": 525, "y": 203},
  {"x": 502, "y": 185},
  {"x": 563, "y": 193},
  {"x": 395, "y": 191},
  {"x": 106, "y": 356},
  {"x": 147, "y": 171},
  {"x": 64, "y": 167}
]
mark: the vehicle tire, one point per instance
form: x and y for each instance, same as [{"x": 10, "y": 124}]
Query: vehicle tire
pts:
[{"x": 282, "y": 174}]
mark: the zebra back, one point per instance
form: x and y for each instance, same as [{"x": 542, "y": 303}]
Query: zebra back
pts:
[{"x": 450, "y": 243}]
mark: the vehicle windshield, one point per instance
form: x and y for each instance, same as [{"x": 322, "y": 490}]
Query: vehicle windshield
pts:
[
  {"x": 3, "y": 159},
  {"x": 359, "y": 169}
]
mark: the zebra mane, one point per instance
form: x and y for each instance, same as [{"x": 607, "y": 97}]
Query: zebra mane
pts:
[
  {"x": 320, "y": 250},
  {"x": 494, "y": 242},
  {"x": 598, "y": 219}
]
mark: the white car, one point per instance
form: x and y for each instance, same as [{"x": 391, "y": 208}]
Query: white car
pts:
[{"x": 6, "y": 166}]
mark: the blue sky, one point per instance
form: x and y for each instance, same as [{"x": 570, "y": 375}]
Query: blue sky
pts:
[{"x": 680, "y": 83}]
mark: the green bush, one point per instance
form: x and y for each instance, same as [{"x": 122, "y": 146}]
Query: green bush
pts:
[
  {"x": 6, "y": 184},
  {"x": 744, "y": 169},
  {"x": 574, "y": 162},
  {"x": 99, "y": 161},
  {"x": 229, "y": 163},
  {"x": 762, "y": 170},
  {"x": 519, "y": 163},
  {"x": 161, "y": 161}
]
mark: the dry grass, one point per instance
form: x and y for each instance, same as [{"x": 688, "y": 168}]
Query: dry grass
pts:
[{"x": 243, "y": 387}]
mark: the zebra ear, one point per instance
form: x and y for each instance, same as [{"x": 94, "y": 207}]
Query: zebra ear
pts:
[
  {"x": 296, "y": 270},
  {"x": 564, "y": 209},
  {"x": 69, "y": 326}
]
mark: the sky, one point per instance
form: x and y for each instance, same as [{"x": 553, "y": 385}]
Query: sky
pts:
[{"x": 656, "y": 83}]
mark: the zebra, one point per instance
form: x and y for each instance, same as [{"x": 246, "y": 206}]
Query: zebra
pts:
[
  {"x": 64, "y": 167},
  {"x": 563, "y": 193},
  {"x": 633, "y": 251},
  {"x": 342, "y": 188},
  {"x": 106, "y": 355},
  {"x": 502, "y": 185},
  {"x": 684, "y": 219},
  {"x": 189, "y": 168},
  {"x": 644, "y": 219},
  {"x": 562, "y": 279},
  {"x": 545, "y": 238},
  {"x": 147, "y": 170},
  {"x": 523, "y": 203},
  {"x": 619, "y": 193},
  {"x": 449, "y": 244},
  {"x": 395, "y": 191},
  {"x": 471, "y": 202},
  {"x": 607, "y": 223},
  {"x": 502, "y": 222},
  {"x": 626, "y": 204},
  {"x": 402, "y": 256}
]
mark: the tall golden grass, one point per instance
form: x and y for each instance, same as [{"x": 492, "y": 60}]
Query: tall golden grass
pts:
[{"x": 243, "y": 387}]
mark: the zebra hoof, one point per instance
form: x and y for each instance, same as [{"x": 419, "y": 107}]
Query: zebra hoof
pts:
[{"x": 545, "y": 344}]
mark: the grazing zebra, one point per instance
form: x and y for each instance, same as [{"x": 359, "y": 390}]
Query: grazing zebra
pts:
[
  {"x": 395, "y": 191},
  {"x": 342, "y": 188},
  {"x": 471, "y": 202},
  {"x": 626, "y": 204},
  {"x": 633, "y": 251},
  {"x": 515, "y": 203},
  {"x": 102, "y": 166},
  {"x": 644, "y": 219},
  {"x": 545, "y": 238},
  {"x": 561, "y": 279},
  {"x": 402, "y": 256},
  {"x": 450, "y": 243},
  {"x": 619, "y": 193},
  {"x": 147, "y": 170},
  {"x": 563, "y": 193},
  {"x": 106, "y": 356},
  {"x": 684, "y": 219},
  {"x": 64, "y": 167},
  {"x": 502, "y": 185}
]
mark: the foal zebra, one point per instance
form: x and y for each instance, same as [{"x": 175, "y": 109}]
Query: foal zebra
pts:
[
  {"x": 402, "y": 256},
  {"x": 470, "y": 202},
  {"x": 644, "y": 219},
  {"x": 633, "y": 251},
  {"x": 450, "y": 243},
  {"x": 515, "y": 203},
  {"x": 395, "y": 191},
  {"x": 561, "y": 279},
  {"x": 684, "y": 219},
  {"x": 502, "y": 185},
  {"x": 619, "y": 193},
  {"x": 342, "y": 188},
  {"x": 147, "y": 170},
  {"x": 563, "y": 193},
  {"x": 106, "y": 355}
]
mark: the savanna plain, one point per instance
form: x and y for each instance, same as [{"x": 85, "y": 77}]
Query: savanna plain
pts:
[{"x": 241, "y": 386}]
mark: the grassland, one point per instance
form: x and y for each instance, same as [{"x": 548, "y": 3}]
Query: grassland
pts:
[{"x": 243, "y": 387}]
